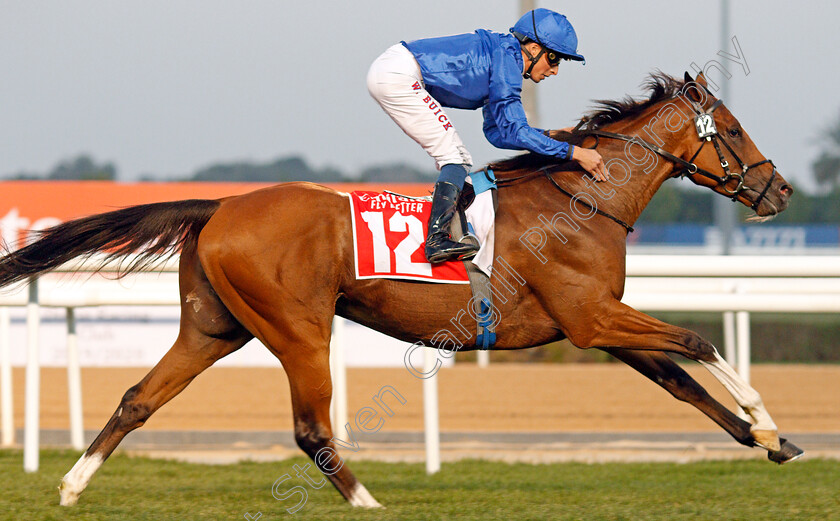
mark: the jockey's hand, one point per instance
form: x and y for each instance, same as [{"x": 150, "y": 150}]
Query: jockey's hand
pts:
[{"x": 591, "y": 161}]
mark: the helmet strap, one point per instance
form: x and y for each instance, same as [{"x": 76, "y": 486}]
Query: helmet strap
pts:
[{"x": 533, "y": 59}]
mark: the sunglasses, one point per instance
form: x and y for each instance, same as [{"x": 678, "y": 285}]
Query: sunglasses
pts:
[{"x": 554, "y": 57}]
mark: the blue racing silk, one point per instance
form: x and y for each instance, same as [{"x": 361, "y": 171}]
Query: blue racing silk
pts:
[{"x": 484, "y": 69}]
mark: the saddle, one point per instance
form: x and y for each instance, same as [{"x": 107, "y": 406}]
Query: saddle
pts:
[{"x": 466, "y": 198}]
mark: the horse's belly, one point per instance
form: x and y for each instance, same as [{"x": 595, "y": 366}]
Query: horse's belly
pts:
[{"x": 438, "y": 314}]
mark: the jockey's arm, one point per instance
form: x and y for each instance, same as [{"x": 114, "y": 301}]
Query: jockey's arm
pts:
[
  {"x": 521, "y": 136},
  {"x": 506, "y": 126}
]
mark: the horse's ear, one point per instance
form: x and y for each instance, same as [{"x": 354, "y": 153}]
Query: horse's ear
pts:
[
  {"x": 691, "y": 88},
  {"x": 700, "y": 79}
]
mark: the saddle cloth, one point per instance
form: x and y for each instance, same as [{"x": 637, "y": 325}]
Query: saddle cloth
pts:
[{"x": 389, "y": 234}]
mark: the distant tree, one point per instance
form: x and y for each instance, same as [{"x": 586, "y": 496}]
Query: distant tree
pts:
[
  {"x": 25, "y": 176},
  {"x": 396, "y": 173},
  {"x": 827, "y": 166},
  {"x": 278, "y": 171},
  {"x": 84, "y": 168},
  {"x": 679, "y": 202}
]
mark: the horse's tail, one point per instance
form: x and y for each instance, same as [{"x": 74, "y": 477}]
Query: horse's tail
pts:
[{"x": 152, "y": 231}]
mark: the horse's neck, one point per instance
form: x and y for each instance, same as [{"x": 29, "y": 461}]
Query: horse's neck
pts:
[{"x": 636, "y": 174}]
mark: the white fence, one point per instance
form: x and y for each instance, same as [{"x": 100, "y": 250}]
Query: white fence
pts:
[{"x": 732, "y": 285}]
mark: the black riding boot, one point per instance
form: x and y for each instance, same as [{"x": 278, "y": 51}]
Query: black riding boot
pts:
[{"x": 439, "y": 244}]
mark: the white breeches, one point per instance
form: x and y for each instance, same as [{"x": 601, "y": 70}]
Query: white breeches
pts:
[{"x": 395, "y": 82}]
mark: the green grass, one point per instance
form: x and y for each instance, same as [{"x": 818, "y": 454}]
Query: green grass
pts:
[{"x": 141, "y": 489}]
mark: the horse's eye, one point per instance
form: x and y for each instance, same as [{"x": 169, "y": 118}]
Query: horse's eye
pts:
[{"x": 734, "y": 132}]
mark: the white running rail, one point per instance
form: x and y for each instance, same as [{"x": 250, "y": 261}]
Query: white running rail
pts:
[{"x": 733, "y": 285}]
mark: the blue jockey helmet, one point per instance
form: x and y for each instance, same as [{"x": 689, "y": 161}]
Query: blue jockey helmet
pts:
[{"x": 549, "y": 29}]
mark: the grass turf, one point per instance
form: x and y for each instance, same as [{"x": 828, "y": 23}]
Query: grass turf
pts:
[{"x": 146, "y": 489}]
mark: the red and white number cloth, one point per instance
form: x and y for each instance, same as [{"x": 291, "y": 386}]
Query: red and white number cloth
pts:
[{"x": 389, "y": 234}]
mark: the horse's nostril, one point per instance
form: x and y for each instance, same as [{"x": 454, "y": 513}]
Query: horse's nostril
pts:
[{"x": 786, "y": 190}]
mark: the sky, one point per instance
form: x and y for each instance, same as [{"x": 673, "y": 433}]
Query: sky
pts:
[{"x": 163, "y": 88}]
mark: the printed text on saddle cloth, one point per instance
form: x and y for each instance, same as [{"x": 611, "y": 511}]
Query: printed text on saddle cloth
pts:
[{"x": 389, "y": 232}]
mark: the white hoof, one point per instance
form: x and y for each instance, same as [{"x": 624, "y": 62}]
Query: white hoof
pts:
[
  {"x": 767, "y": 439},
  {"x": 362, "y": 498},
  {"x": 74, "y": 482},
  {"x": 68, "y": 497}
]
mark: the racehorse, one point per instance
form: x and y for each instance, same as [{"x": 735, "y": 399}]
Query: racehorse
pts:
[{"x": 278, "y": 263}]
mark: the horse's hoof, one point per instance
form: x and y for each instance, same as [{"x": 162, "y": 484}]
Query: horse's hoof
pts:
[
  {"x": 68, "y": 497},
  {"x": 767, "y": 439},
  {"x": 360, "y": 497},
  {"x": 788, "y": 452}
]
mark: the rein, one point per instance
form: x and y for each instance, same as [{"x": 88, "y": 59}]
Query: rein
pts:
[{"x": 546, "y": 171}]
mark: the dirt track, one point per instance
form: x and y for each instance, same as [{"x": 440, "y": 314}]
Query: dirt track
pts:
[{"x": 504, "y": 397}]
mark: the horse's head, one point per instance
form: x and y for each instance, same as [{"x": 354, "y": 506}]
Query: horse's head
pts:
[{"x": 724, "y": 158}]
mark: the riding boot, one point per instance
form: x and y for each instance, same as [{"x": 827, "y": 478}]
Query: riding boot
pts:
[{"x": 439, "y": 244}]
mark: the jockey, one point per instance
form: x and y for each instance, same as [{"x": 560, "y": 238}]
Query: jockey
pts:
[{"x": 414, "y": 81}]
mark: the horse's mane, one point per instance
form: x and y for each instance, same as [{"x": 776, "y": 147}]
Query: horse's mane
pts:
[{"x": 660, "y": 87}]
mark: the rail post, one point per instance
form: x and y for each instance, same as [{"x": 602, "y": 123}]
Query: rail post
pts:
[
  {"x": 6, "y": 402},
  {"x": 74, "y": 384},
  {"x": 338, "y": 368},
  {"x": 31, "y": 424},
  {"x": 430, "y": 412}
]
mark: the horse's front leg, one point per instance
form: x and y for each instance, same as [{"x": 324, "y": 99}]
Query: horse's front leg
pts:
[
  {"x": 616, "y": 325},
  {"x": 659, "y": 368},
  {"x": 663, "y": 371}
]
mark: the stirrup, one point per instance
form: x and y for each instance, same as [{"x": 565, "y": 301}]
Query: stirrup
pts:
[{"x": 454, "y": 251}]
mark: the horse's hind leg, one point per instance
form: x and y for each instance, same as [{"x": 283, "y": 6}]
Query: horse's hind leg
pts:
[
  {"x": 293, "y": 320},
  {"x": 208, "y": 332}
]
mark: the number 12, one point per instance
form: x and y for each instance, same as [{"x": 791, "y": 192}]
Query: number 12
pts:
[{"x": 405, "y": 249}]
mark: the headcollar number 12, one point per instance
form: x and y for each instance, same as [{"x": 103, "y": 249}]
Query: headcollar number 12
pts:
[{"x": 705, "y": 125}]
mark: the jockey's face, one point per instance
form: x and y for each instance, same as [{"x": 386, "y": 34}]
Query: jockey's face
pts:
[{"x": 543, "y": 69}]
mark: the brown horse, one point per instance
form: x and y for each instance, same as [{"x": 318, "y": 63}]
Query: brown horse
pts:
[{"x": 278, "y": 264}]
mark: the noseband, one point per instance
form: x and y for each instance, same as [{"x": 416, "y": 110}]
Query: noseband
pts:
[{"x": 707, "y": 131}]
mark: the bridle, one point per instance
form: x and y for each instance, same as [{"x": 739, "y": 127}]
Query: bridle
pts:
[
  {"x": 706, "y": 131},
  {"x": 704, "y": 123}
]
